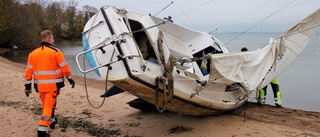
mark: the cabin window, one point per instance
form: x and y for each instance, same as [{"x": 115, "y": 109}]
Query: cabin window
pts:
[
  {"x": 143, "y": 42},
  {"x": 204, "y": 64}
]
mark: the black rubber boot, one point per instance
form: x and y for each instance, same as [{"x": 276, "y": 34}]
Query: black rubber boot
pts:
[
  {"x": 43, "y": 134},
  {"x": 53, "y": 124}
]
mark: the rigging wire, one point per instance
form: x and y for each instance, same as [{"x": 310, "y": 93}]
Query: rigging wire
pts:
[
  {"x": 294, "y": 6},
  {"x": 141, "y": 4},
  {"x": 163, "y": 9},
  {"x": 279, "y": 11},
  {"x": 185, "y": 13},
  {"x": 186, "y": 16},
  {"x": 263, "y": 5},
  {"x": 246, "y": 16},
  {"x": 276, "y": 13},
  {"x": 260, "y": 22}
]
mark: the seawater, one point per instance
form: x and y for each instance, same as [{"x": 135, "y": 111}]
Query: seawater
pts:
[{"x": 299, "y": 84}]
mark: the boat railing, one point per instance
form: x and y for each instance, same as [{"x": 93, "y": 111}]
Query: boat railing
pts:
[{"x": 100, "y": 47}]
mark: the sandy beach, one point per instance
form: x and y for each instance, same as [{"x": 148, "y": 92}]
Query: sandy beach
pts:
[{"x": 20, "y": 115}]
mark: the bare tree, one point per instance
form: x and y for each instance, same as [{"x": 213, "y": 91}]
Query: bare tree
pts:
[{"x": 22, "y": 27}]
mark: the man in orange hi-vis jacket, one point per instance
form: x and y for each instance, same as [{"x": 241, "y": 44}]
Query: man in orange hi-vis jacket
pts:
[{"x": 47, "y": 66}]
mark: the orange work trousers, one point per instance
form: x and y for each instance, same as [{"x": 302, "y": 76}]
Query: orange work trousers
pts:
[{"x": 49, "y": 100}]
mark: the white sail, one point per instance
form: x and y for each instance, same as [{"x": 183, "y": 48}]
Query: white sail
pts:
[
  {"x": 295, "y": 40},
  {"x": 256, "y": 69}
]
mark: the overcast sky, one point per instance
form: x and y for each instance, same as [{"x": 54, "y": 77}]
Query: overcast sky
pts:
[{"x": 224, "y": 15}]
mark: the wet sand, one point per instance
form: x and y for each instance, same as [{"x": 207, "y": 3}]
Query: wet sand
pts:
[{"x": 20, "y": 115}]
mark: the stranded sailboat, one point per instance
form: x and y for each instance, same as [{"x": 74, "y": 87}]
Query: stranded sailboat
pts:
[{"x": 182, "y": 70}]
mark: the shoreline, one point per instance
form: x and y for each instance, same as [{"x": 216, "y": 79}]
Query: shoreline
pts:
[{"x": 21, "y": 114}]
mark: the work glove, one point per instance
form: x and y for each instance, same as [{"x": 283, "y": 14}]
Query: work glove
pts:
[
  {"x": 71, "y": 81},
  {"x": 27, "y": 89}
]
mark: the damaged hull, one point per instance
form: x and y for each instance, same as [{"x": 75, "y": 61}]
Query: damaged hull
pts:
[{"x": 173, "y": 67}]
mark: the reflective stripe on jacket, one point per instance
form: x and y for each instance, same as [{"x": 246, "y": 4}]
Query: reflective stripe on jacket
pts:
[
  {"x": 47, "y": 66},
  {"x": 275, "y": 81}
]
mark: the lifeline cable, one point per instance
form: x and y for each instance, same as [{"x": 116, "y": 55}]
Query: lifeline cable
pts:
[{"x": 106, "y": 85}]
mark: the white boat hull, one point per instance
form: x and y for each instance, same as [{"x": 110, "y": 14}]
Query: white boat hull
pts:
[{"x": 123, "y": 47}]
